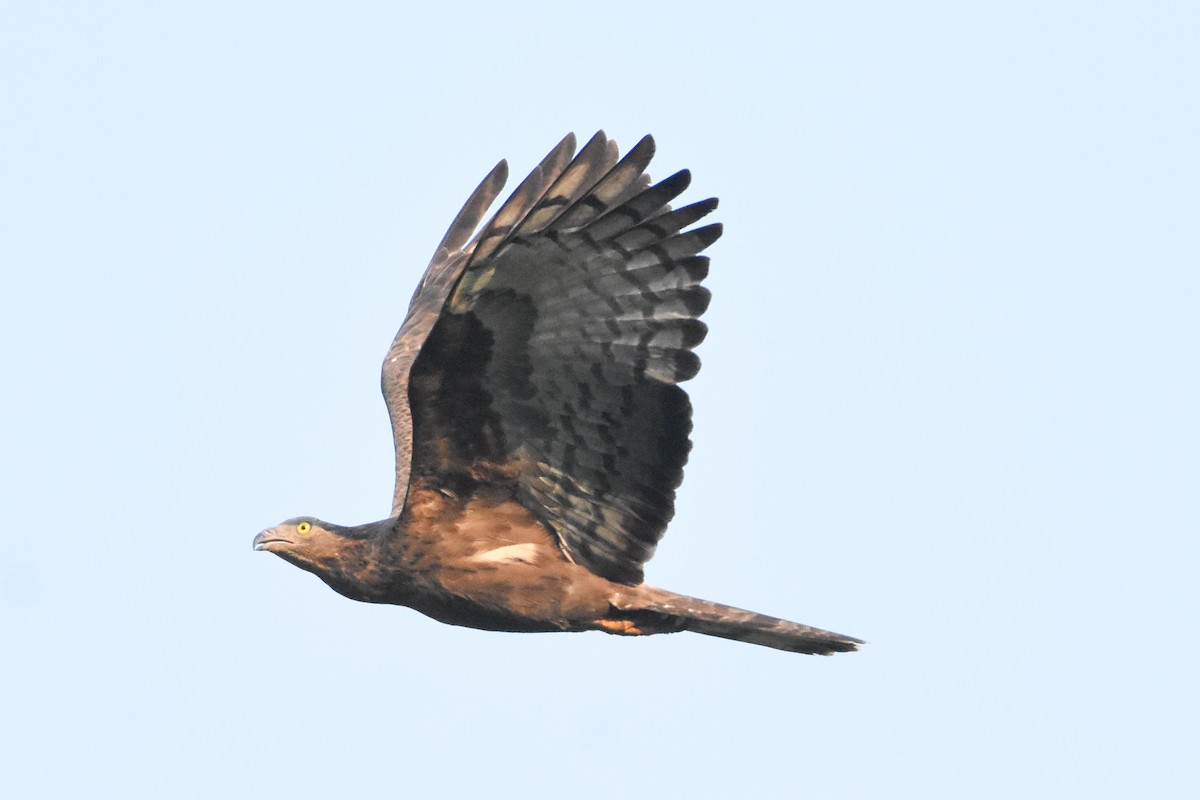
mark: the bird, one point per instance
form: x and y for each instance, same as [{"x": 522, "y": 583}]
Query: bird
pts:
[{"x": 539, "y": 426}]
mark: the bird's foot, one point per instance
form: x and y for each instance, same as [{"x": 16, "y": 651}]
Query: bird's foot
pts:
[{"x": 621, "y": 627}]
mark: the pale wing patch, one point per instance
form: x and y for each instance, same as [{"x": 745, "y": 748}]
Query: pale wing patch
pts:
[{"x": 524, "y": 553}]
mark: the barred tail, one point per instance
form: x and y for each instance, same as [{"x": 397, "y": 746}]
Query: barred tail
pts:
[{"x": 678, "y": 612}]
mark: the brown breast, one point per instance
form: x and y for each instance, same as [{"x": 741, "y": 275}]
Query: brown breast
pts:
[{"x": 483, "y": 560}]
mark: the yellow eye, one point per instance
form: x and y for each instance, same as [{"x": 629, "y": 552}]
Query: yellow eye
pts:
[{"x": 304, "y": 527}]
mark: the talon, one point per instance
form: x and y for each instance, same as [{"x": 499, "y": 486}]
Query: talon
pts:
[{"x": 621, "y": 627}]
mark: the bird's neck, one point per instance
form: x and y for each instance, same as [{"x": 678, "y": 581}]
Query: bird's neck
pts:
[{"x": 350, "y": 562}]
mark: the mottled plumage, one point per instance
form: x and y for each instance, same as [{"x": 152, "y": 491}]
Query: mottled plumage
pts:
[{"x": 540, "y": 430}]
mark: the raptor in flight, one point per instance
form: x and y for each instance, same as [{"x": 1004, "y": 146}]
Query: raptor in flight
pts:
[{"x": 540, "y": 430}]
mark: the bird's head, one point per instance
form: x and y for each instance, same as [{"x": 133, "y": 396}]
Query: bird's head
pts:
[
  {"x": 342, "y": 557},
  {"x": 306, "y": 542}
]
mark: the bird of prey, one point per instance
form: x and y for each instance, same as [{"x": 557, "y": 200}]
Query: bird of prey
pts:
[{"x": 539, "y": 425}]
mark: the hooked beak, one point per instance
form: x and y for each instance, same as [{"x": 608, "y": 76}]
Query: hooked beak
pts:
[{"x": 267, "y": 538}]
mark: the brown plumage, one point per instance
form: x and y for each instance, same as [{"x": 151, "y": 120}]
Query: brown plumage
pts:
[{"x": 539, "y": 427}]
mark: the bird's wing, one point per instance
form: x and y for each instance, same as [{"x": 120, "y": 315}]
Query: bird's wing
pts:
[{"x": 561, "y": 332}]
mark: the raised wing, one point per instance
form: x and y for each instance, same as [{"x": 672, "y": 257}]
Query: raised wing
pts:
[{"x": 564, "y": 328}]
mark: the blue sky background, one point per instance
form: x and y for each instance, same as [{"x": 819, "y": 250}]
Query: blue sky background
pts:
[{"x": 949, "y": 401}]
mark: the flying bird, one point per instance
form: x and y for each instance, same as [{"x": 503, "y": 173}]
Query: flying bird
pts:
[{"x": 539, "y": 426}]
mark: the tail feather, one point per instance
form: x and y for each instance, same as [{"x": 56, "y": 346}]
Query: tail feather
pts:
[{"x": 679, "y": 612}]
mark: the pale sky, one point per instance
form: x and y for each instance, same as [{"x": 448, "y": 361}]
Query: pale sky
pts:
[{"x": 948, "y": 402}]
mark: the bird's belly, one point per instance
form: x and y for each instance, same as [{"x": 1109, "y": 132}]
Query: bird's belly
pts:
[
  {"x": 516, "y": 597},
  {"x": 470, "y": 614}
]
